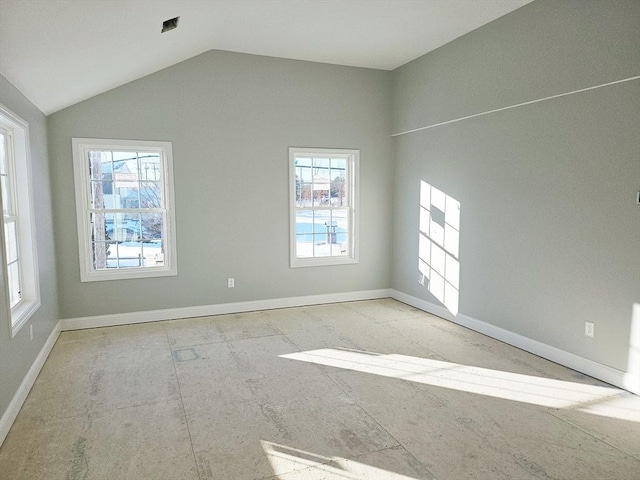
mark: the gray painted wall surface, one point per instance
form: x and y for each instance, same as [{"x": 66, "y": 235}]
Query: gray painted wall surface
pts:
[
  {"x": 545, "y": 48},
  {"x": 231, "y": 118},
  {"x": 549, "y": 226},
  {"x": 18, "y": 354}
]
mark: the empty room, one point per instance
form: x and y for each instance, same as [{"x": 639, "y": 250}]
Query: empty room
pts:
[{"x": 320, "y": 239}]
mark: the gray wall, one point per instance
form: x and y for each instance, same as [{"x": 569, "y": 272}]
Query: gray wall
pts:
[
  {"x": 18, "y": 354},
  {"x": 549, "y": 226},
  {"x": 231, "y": 118}
]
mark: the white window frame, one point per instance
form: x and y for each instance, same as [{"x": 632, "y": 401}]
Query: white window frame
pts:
[
  {"x": 81, "y": 147},
  {"x": 353, "y": 165},
  {"x": 21, "y": 192}
]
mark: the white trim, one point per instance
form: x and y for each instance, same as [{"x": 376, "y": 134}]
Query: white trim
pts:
[
  {"x": 20, "y": 396},
  {"x": 516, "y": 106},
  {"x": 80, "y": 146},
  {"x": 80, "y": 323},
  {"x": 597, "y": 370}
]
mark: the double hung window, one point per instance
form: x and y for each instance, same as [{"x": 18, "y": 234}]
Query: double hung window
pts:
[
  {"x": 124, "y": 199},
  {"x": 19, "y": 266},
  {"x": 323, "y": 193}
]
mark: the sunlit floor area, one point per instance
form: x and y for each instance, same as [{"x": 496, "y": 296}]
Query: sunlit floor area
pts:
[{"x": 364, "y": 390}]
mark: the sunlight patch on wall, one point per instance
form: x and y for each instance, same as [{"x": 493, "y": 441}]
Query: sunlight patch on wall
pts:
[
  {"x": 439, "y": 244},
  {"x": 293, "y": 463},
  {"x": 546, "y": 392}
]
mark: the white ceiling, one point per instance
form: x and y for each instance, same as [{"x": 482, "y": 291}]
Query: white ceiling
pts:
[{"x": 60, "y": 52}]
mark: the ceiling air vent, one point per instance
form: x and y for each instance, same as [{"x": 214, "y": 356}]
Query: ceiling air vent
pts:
[{"x": 170, "y": 24}]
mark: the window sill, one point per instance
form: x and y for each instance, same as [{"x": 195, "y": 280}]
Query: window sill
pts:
[
  {"x": 21, "y": 314},
  {"x": 127, "y": 274},
  {"x": 322, "y": 262}
]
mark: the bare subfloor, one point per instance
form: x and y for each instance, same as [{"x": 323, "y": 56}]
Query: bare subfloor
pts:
[{"x": 364, "y": 390}]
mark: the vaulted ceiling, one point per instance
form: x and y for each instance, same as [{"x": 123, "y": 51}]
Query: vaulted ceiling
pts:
[{"x": 60, "y": 52}]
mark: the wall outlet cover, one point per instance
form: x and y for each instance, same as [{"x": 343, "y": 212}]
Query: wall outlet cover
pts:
[{"x": 589, "y": 329}]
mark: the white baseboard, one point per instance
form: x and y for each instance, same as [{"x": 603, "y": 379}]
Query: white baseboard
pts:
[
  {"x": 602, "y": 372},
  {"x": 605, "y": 373},
  {"x": 15, "y": 405},
  {"x": 220, "y": 309}
]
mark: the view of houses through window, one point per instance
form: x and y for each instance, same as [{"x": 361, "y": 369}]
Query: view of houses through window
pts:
[{"x": 126, "y": 194}]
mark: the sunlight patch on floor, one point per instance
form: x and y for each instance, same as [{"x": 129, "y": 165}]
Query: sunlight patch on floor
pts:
[
  {"x": 299, "y": 464},
  {"x": 517, "y": 387}
]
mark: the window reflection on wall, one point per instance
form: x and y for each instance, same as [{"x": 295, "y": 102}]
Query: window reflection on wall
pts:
[{"x": 438, "y": 247}]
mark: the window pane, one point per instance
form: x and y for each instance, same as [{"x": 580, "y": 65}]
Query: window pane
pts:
[
  {"x": 126, "y": 228},
  {"x": 321, "y": 182},
  {"x": 101, "y": 195},
  {"x": 304, "y": 233},
  {"x": 130, "y": 255},
  {"x": 4, "y": 185},
  {"x": 320, "y": 164},
  {"x": 340, "y": 218},
  {"x": 152, "y": 227},
  {"x": 4, "y": 175},
  {"x": 99, "y": 162},
  {"x": 303, "y": 169},
  {"x": 101, "y": 226},
  {"x": 338, "y": 182},
  {"x": 122, "y": 162},
  {"x": 11, "y": 240},
  {"x": 109, "y": 255},
  {"x": 15, "y": 291},
  {"x": 150, "y": 167},
  {"x": 3, "y": 154},
  {"x": 304, "y": 225},
  {"x": 119, "y": 157},
  {"x": 304, "y": 194},
  {"x": 150, "y": 195},
  {"x": 325, "y": 234},
  {"x": 126, "y": 190},
  {"x": 101, "y": 254},
  {"x": 321, "y": 247}
]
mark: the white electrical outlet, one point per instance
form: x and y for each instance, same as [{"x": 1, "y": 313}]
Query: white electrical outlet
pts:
[
  {"x": 589, "y": 329},
  {"x": 231, "y": 282}
]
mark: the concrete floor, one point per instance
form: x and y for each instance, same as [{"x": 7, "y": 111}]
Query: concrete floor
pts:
[{"x": 364, "y": 390}]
